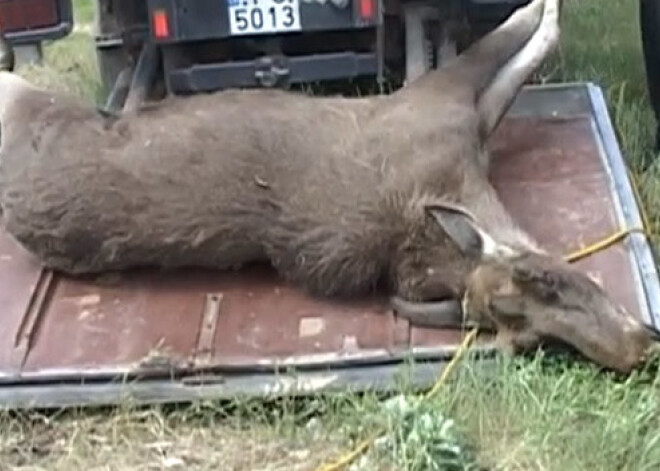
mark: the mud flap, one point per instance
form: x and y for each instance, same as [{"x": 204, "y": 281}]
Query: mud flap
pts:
[{"x": 175, "y": 337}]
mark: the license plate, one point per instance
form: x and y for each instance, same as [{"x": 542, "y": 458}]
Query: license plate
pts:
[{"x": 263, "y": 16}]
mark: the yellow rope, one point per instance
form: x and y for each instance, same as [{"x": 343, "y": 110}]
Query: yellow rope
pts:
[
  {"x": 602, "y": 244},
  {"x": 366, "y": 443},
  {"x": 467, "y": 341},
  {"x": 618, "y": 236},
  {"x": 348, "y": 458}
]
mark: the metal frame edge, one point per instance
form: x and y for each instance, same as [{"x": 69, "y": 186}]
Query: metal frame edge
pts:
[{"x": 629, "y": 211}]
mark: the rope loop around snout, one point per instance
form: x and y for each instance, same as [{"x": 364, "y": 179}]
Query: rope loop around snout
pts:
[{"x": 468, "y": 340}]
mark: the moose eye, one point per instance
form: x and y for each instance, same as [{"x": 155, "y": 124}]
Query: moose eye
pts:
[
  {"x": 542, "y": 284},
  {"x": 543, "y": 289},
  {"x": 547, "y": 293}
]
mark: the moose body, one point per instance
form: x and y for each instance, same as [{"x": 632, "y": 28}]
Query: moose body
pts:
[
  {"x": 340, "y": 195},
  {"x": 331, "y": 191}
]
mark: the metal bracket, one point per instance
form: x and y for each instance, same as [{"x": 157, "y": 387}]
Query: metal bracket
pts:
[
  {"x": 419, "y": 49},
  {"x": 31, "y": 54},
  {"x": 128, "y": 37},
  {"x": 143, "y": 76},
  {"x": 204, "y": 351},
  {"x": 271, "y": 70},
  {"x": 119, "y": 93},
  {"x": 33, "y": 312}
]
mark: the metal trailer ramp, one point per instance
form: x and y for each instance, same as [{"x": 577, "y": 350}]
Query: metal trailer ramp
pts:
[{"x": 179, "y": 336}]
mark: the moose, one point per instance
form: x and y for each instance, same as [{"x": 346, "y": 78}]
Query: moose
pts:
[{"x": 342, "y": 196}]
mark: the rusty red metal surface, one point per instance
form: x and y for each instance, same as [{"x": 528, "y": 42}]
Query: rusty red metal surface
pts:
[
  {"x": 548, "y": 172},
  {"x": 550, "y": 176}
]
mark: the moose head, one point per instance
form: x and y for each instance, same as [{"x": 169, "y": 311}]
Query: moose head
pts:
[{"x": 529, "y": 296}]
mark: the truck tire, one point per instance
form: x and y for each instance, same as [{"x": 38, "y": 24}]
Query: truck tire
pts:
[{"x": 650, "y": 25}]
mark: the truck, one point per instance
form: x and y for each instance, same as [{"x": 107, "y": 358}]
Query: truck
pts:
[
  {"x": 183, "y": 47},
  {"x": 176, "y": 336}
]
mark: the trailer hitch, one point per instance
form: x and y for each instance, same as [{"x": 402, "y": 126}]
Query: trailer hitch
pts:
[{"x": 270, "y": 70}]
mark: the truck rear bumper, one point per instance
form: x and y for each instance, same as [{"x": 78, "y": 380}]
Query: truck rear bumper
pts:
[{"x": 270, "y": 71}]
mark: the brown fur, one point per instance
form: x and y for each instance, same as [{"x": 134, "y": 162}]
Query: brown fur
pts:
[
  {"x": 331, "y": 191},
  {"x": 340, "y": 195}
]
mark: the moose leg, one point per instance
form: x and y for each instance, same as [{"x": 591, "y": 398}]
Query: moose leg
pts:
[{"x": 498, "y": 96}]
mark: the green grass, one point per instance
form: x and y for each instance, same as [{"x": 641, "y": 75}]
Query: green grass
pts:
[
  {"x": 71, "y": 67},
  {"x": 83, "y": 11},
  {"x": 523, "y": 414}
]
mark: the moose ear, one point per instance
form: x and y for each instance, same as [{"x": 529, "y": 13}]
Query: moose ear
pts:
[{"x": 461, "y": 227}]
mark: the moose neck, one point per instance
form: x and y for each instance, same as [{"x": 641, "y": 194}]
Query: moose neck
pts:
[
  {"x": 463, "y": 180},
  {"x": 484, "y": 203}
]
